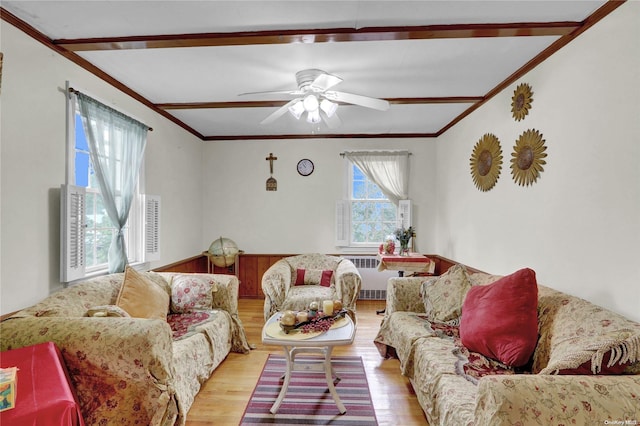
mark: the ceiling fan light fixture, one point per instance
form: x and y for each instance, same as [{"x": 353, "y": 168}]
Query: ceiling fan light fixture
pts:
[
  {"x": 297, "y": 109},
  {"x": 320, "y": 104},
  {"x": 328, "y": 107},
  {"x": 313, "y": 116},
  {"x": 310, "y": 103}
]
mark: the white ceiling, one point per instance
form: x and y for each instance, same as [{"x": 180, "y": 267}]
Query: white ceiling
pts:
[{"x": 439, "y": 69}]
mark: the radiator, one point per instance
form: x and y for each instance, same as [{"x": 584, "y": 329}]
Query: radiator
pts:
[{"x": 374, "y": 283}]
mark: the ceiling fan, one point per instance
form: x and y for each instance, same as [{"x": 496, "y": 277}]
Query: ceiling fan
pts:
[{"x": 314, "y": 97}]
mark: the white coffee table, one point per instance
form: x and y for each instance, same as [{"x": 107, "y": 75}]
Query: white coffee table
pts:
[{"x": 341, "y": 334}]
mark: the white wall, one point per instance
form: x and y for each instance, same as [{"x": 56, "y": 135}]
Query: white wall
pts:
[
  {"x": 578, "y": 226},
  {"x": 299, "y": 216},
  {"x": 32, "y": 156}
]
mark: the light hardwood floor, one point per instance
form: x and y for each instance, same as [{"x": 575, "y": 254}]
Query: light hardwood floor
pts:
[{"x": 223, "y": 397}]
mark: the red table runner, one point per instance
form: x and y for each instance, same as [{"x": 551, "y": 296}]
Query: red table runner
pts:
[{"x": 44, "y": 395}]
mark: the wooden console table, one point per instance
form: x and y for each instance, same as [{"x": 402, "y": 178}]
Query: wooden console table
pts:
[{"x": 415, "y": 262}]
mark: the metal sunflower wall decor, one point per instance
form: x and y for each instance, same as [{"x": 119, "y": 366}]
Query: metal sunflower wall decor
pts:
[
  {"x": 521, "y": 101},
  {"x": 527, "y": 157},
  {"x": 486, "y": 162}
]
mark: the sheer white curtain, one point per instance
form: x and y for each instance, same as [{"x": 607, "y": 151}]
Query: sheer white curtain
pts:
[
  {"x": 387, "y": 169},
  {"x": 116, "y": 146}
]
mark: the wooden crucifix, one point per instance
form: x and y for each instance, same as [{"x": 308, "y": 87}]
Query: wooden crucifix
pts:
[{"x": 272, "y": 184}]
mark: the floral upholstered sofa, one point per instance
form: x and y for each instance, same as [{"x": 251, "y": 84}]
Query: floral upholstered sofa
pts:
[
  {"x": 129, "y": 365},
  {"x": 536, "y": 356}
]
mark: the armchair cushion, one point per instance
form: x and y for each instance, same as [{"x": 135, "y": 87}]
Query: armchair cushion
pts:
[
  {"x": 299, "y": 297},
  {"x": 314, "y": 277},
  {"x": 142, "y": 298}
]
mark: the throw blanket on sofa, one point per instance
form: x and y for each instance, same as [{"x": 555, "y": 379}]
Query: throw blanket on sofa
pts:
[
  {"x": 470, "y": 365},
  {"x": 186, "y": 324}
]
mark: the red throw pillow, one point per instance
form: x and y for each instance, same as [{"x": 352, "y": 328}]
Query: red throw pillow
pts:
[
  {"x": 500, "y": 320},
  {"x": 313, "y": 277}
]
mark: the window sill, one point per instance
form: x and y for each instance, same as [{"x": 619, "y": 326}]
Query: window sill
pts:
[
  {"x": 138, "y": 266},
  {"x": 359, "y": 250}
]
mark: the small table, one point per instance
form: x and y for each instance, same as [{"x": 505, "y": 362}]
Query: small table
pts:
[
  {"x": 341, "y": 334},
  {"x": 414, "y": 262}
]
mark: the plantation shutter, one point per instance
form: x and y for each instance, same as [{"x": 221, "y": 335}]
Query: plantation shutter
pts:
[
  {"x": 151, "y": 227},
  {"x": 342, "y": 224},
  {"x": 404, "y": 214},
  {"x": 72, "y": 230}
]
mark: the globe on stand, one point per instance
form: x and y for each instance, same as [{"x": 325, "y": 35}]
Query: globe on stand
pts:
[{"x": 223, "y": 252}]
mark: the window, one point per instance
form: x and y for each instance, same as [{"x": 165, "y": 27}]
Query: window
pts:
[
  {"x": 373, "y": 216},
  {"x": 367, "y": 217},
  {"x": 376, "y": 201},
  {"x": 87, "y": 230},
  {"x": 98, "y": 228}
]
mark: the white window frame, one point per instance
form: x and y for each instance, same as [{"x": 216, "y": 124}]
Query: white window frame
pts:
[
  {"x": 343, "y": 215},
  {"x": 143, "y": 244}
]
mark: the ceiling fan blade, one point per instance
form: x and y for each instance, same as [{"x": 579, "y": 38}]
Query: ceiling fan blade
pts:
[
  {"x": 333, "y": 121},
  {"x": 279, "y": 112},
  {"x": 325, "y": 81},
  {"x": 365, "y": 101},
  {"x": 275, "y": 92}
]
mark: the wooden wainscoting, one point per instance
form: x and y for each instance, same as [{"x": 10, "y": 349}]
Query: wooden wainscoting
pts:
[
  {"x": 443, "y": 264},
  {"x": 195, "y": 264},
  {"x": 252, "y": 266}
]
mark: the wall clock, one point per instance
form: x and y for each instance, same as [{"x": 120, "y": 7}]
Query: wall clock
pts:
[{"x": 305, "y": 167}]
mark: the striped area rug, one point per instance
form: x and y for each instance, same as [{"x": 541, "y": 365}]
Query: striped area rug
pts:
[{"x": 308, "y": 401}]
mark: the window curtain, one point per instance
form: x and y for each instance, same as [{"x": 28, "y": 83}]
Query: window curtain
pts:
[
  {"x": 116, "y": 146},
  {"x": 387, "y": 169}
]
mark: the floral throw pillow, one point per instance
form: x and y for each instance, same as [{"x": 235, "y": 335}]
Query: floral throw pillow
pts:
[
  {"x": 443, "y": 296},
  {"x": 192, "y": 292}
]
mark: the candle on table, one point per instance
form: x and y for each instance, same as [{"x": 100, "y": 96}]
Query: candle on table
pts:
[
  {"x": 327, "y": 307},
  {"x": 302, "y": 316}
]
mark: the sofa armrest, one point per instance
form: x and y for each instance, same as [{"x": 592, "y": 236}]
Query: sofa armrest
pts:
[
  {"x": 226, "y": 298},
  {"x": 557, "y": 399},
  {"x": 348, "y": 284},
  {"x": 403, "y": 294},
  {"x": 275, "y": 284},
  {"x": 123, "y": 362},
  {"x": 226, "y": 295}
]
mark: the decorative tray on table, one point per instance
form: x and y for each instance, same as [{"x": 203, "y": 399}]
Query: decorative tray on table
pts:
[{"x": 318, "y": 323}]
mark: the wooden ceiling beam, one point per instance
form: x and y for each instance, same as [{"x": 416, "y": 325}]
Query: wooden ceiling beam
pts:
[
  {"x": 323, "y": 136},
  {"x": 279, "y": 103},
  {"x": 329, "y": 35}
]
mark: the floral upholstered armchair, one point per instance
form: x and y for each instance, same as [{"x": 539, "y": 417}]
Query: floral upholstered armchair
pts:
[{"x": 294, "y": 282}]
